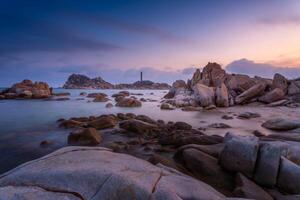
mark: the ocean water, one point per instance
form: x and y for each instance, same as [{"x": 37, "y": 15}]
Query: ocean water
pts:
[{"x": 25, "y": 123}]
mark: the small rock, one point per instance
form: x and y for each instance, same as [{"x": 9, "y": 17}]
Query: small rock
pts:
[
  {"x": 109, "y": 105},
  {"x": 181, "y": 126},
  {"x": 248, "y": 115},
  {"x": 103, "y": 123},
  {"x": 280, "y": 124},
  {"x": 227, "y": 117},
  {"x": 85, "y": 136},
  {"x": 166, "y": 106},
  {"x": 45, "y": 143},
  {"x": 219, "y": 125},
  {"x": 70, "y": 124},
  {"x": 83, "y": 94},
  {"x": 190, "y": 108}
]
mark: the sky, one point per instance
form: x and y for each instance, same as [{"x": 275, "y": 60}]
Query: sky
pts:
[{"x": 166, "y": 39}]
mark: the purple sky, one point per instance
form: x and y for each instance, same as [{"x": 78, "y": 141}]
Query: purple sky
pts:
[{"x": 167, "y": 40}]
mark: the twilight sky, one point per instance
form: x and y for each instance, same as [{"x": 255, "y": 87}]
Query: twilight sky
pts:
[{"x": 166, "y": 39}]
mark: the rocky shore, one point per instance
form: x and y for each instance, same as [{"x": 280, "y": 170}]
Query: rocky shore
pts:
[
  {"x": 78, "y": 81},
  {"x": 154, "y": 159}
]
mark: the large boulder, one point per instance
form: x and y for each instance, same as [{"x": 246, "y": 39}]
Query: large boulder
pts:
[
  {"x": 248, "y": 189},
  {"x": 97, "y": 173},
  {"x": 204, "y": 95},
  {"x": 85, "y": 136},
  {"x": 129, "y": 102},
  {"x": 252, "y": 92},
  {"x": 294, "y": 88},
  {"x": 272, "y": 96},
  {"x": 268, "y": 161},
  {"x": 222, "y": 99},
  {"x": 239, "y": 82},
  {"x": 239, "y": 154},
  {"x": 177, "y": 87},
  {"x": 197, "y": 76},
  {"x": 289, "y": 176},
  {"x": 279, "y": 81},
  {"x": 213, "y": 75},
  {"x": 280, "y": 124}
]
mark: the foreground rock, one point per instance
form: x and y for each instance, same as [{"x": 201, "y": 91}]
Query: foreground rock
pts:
[
  {"x": 279, "y": 124},
  {"x": 97, "y": 173},
  {"x": 27, "y": 90}
]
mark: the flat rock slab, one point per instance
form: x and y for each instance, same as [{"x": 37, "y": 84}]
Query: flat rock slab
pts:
[
  {"x": 280, "y": 124},
  {"x": 92, "y": 173}
]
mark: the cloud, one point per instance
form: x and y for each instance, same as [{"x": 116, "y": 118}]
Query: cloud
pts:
[
  {"x": 189, "y": 70},
  {"x": 251, "y": 68},
  {"x": 279, "y": 20},
  {"x": 137, "y": 28}
]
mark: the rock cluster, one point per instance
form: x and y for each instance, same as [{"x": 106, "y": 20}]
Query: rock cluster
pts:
[
  {"x": 213, "y": 86},
  {"x": 27, "y": 90},
  {"x": 144, "y": 85}
]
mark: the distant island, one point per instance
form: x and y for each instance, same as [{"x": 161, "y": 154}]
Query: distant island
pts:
[{"x": 79, "y": 81}]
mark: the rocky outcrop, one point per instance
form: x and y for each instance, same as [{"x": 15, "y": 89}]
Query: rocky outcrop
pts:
[
  {"x": 231, "y": 89},
  {"x": 97, "y": 173},
  {"x": 27, "y": 90},
  {"x": 78, "y": 81}
]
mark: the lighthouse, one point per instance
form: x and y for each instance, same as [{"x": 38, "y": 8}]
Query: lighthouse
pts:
[{"x": 141, "y": 76}]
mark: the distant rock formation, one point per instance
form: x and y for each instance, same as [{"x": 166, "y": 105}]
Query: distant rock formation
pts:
[
  {"x": 27, "y": 90},
  {"x": 78, "y": 81},
  {"x": 231, "y": 89},
  {"x": 144, "y": 85}
]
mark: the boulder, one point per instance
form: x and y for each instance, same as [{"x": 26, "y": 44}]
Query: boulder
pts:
[
  {"x": 289, "y": 176},
  {"x": 213, "y": 150},
  {"x": 103, "y": 123},
  {"x": 100, "y": 98},
  {"x": 280, "y": 124},
  {"x": 70, "y": 124},
  {"x": 248, "y": 189},
  {"x": 212, "y": 75},
  {"x": 98, "y": 173},
  {"x": 206, "y": 168},
  {"x": 294, "y": 88},
  {"x": 222, "y": 99},
  {"x": 192, "y": 139},
  {"x": 84, "y": 136},
  {"x": 268, "y": 161},
  {"x": 166, "y": 106},
  {"x": 238, "y": 83},
  {"x": 278, "y": 103},
  {"x": 239, "y": 154},
  {"x": 145, "y": 118},
  {"x": 181, "y": 126},
  {"x": 129, "y": 102},
  {"x": 204, "y": 95},
  {"x": 138, "y": 127},
  {"x": 219, "y": 125},
  {"x": 252, "y": 92},
  {"x": 177, "y": 86},
  {"x": 279, "y": 81},
  {"x": 95, "y": 95},
  {"x": 272, "y": 96}
]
